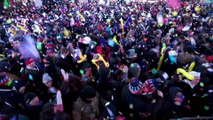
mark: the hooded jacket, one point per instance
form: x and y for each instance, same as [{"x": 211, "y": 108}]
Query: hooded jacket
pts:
[{"x": 171, "y": 110}]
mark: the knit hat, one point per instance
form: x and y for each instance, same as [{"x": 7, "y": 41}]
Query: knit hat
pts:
[
  {"x": 135, "y": 86},
  {"x": 46, "y": 78},
  {"x": 87, "y": 94},
  {"x": 151, "y": 85},
  {"x": 5, "y": 80},
  {"x": 29, "y": 61},
  {"x": 29, "y": 96}
]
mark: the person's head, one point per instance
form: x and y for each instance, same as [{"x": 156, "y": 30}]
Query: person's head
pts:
[
  {"x": 47, "y": 80},
  {"x": 48, "y": 61},
  {"x": 32, "y": 99},
  {"x": 50, "y": 52},
  {"x": 14, "y": 53},
  {"x": 178, "y": 98},
  {"x": 88, "y": 94},
  {"x": 30, "y": 63},
  {"x": 134, "y": 70},
  {"x": 176, "y": 95},
  {"x": 149, "y": 86},
  {"x": 63, "y": 52}
]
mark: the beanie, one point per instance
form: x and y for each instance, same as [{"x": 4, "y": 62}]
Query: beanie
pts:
[
  {"x": 135, "y": 86},
  {"x": 87, "y": 94},
  {"x": 151, "y": 85},
  {"x": 29, "y": 61},
  {"x": 5, "y": 81},
  {"x": 46, "y": 78}
]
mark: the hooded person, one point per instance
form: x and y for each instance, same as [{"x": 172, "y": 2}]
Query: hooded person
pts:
[
  {"x": 86, "y": 106},
  {"x": 174, "y": 106},
  {"x": 32, "y": 105}
]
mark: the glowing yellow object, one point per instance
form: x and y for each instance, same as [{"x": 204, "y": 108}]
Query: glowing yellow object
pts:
[
  {"x": 186, "y": 74},
  {"x": 97, "y": 57}
]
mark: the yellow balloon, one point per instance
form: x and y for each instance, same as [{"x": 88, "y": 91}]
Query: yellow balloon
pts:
[
  {"x": 174, "y": 13},
  {"x": 115, "y": 40},
  {"x": 197, "y": 8},
  {"x": 191, "y": 67},
  {"x": 66, "y": 33},
  {"x": 108, "y": 21},
  {"x": 160, "y": 62},
  {"x": 186, "y": 74}
]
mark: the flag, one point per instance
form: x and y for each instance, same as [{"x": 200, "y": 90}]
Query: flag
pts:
[{"x": 6, "y": 4}]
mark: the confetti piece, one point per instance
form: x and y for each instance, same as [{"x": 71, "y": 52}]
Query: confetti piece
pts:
[
  {"x": 154, "y": 71},
  {"x": 30, "y": 77},
  {"x": 10, "y": 82},
  {"x": 131, "y": 106},
  {"x": 201, "y": 84},
  {"x": 82, "y": 72},
  {"x": 39, "y": 45},
  {"x": 206, "y": 108}
]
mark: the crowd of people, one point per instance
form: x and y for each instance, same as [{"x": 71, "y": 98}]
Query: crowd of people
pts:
[{"x": 136, "y": 61}]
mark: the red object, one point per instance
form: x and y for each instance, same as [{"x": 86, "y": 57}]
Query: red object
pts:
[
  {"x": 29, "y": 61},
  {"x": 99, "y": 50},
  {"x": 209, "y": 58},
  {"x": 106, "y": 53}
]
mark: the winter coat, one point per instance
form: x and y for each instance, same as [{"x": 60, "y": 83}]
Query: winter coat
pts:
[
  {"x": 170, "y": 110},
  {"x": 135, "y": 107},
  {"x": 85, "y": 111}
]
